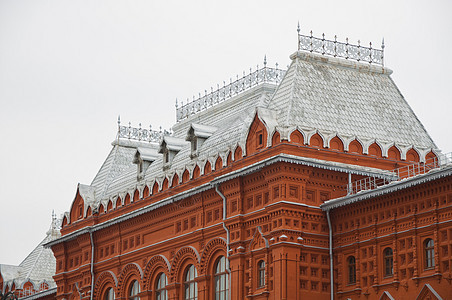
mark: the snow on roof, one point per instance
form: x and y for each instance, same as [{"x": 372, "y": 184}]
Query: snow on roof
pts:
[{"x": 329, "y": 95}]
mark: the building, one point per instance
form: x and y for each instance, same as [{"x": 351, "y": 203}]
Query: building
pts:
[
  {"x": 317, "y": 182},
  {"x": 33, "y": 277}
]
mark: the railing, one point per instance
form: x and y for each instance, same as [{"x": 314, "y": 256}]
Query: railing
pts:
[
  {"x": 370, "y": 183},
  {"x": 141, "y": 134},
  {"x": 339, "y": 49},
  {"x": 265, "y": 74}
]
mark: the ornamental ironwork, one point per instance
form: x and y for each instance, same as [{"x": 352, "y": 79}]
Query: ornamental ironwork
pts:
[
  {"x": 263, "y": 75},
  {"x": 339, "y": 49},
  {"x": 141, "y": 134},
  {"x": 370, "y": 183}
]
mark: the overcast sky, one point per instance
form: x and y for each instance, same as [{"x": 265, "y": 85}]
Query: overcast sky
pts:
[{"x": 69, "y": 68}]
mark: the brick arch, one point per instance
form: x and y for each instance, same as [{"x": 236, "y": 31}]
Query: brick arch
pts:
[
  {"x": 105, "y": 279},
  {"x": 375, "y": 150},
  {"x": 238, "y": 153},
  {"x": 229, "y": 159},
  {"x": 155, "y": 188},
  {"x": 118, "y": 202},
  {"x": 130, "y": 271},
  {"x": 276, "y": 138},
  {"x": 412, "y": 155},
  {"x": 394, "y": 153},
  {"x": 316, "y": 141},
  {"x": 355, "y": 147},
  {"x": 175, "y": 180},
  {"x": 183, "y": 257},
  {"x": 136, "y": 195},
  {"x": 336, "y": 144},
  {"x": 207, "y": 167},
  {"x": 218, "y": 163},
  {"x": 297, "y": 137},
  {"x": 155, "y": 265},
  {"x": 185, "y": 176},
  {"x": 127, "y": 199},
  {"x": 146, "y": 192},
  {"x": 196, "y": 172},
  {"x": 164, "y": 184},
  {"x": 65, "y": 221},
  {"x": 211, "y": 250}
]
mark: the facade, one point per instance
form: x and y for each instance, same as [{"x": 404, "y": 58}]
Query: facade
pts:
[{"x": 317, "y": 182}]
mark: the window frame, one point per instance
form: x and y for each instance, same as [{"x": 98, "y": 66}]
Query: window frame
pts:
[
  {"x": 190, "y": 284},
  {"x": 261, "y": 274},
  {"x": 221, "y": 276},
  {"x": 351, "y": 267},
  {"x": 131, "y": 290},
  {"x": 429, "y": 254},
  {"x": 161, "y": 293},
  {"x": 388, "y": 259}
]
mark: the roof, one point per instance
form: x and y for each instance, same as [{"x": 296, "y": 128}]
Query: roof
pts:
[
  {"x": 38, "y": 267},
  {"x": 317, "y": 94},
  {"x": 347, "y": 98}
]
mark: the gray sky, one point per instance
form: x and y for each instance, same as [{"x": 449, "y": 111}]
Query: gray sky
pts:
[{"x": 69, "y": 68}]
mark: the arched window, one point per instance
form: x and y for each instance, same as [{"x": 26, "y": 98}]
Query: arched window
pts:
[
  {"x": 109, "y": 294},
  {"x": 351, "y": 269},
  {"x": 389, "y": 262},
  {"x": 134, "y": 290},
  {"x": 190, "y": 285},
  {"x": 261, "y": 274},
  {"x": 221, "y": 280},
  {"x": 429, "y": 251},
  {"x": 160, "y": 288}
]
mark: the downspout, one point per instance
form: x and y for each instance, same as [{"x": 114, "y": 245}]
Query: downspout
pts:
[
  {"x": 227, "y": 237},
  {"x": 92, "y": 263},
  {"x": 330, "y": 235}
]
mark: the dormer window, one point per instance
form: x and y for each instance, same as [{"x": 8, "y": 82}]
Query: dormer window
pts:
[
  {"x": 196, "y": 135},
  {"x": 143, "y": 158},
  {"x": 169, "y": 147}
]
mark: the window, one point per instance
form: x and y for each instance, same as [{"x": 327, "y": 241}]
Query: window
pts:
[
  {"x": 351, "y": 269},
  {"x": 261, "y": 274},
  {"x": 109, "y": 294},
  {"x": 190, "y": 285},
  {"x": 134, "y": 290},
  {"x": 429, "y": 251},
  {"x": 221, "y": 280},
  {"x": 388, "y": 262},
  {"x": 160, "y": 288}
]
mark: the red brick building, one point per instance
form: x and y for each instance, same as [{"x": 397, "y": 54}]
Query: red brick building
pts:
[{"x": 280, "y": 185}]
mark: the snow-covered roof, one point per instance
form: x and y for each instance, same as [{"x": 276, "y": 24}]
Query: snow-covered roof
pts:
[
  {"x": 38, "y": 267},
  {"x": 318, "y": 94}
]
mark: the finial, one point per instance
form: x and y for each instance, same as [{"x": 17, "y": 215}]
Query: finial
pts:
[
  {"x": 383, "y": 43},
  {"x": 199, "y": 95},
  {"x": 130, "y": 124},
  {"x": 119, "y": 120},
  {"x": 205, "y": 92},
  {"x": 323, "y": 36},
  {"x": 346, "y": 40},
  {"x": 298, "y": 27},
  {"x": 150, "y": 127},
  {"x": 139, "y": 125},
  {"x": 335, "y": 38},
  {"x": 370, "y": 45},
  {"x": 359, "y": 43},
  {"x": 311, "y": 33},
  {"x": 176, "y": 103},
  {"x": 160, "y": 129},
  {"x": 265, "y": 60},
  {"x": 276, "y": 64}
]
